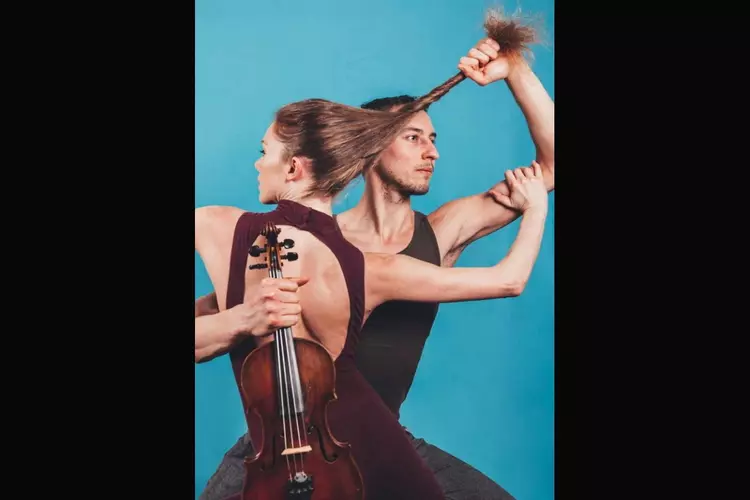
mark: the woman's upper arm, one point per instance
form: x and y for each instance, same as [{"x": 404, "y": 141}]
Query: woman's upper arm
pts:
[{"x": 400, "y": 277}]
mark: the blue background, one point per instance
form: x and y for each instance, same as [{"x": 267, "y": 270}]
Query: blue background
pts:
[{"x": 484, "y": 393}]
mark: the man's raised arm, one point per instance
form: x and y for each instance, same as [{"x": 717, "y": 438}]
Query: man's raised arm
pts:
[{"x": 463, "y": 221}]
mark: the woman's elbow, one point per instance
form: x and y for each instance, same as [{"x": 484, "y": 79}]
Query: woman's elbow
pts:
[
  {"x": 202, "y": 356},
  {"x": 206, "y": 305}
]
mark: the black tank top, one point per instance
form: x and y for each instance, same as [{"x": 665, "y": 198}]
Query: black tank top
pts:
[{"x": 393, "y": 337}]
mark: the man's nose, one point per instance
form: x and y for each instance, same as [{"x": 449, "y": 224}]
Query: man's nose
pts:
[{"x": 430, "y": 152}]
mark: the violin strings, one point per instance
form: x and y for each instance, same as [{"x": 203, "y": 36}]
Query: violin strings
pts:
[
  {"x": 288, "y": 348},
  {"x": 294, "y": 376},
  {"x": 283, "y": 399},
  {"x": 298, "y": 414},
  {"x": 280, "y": 350},
  {"x": 296, "y": 389},
  {"x": 289, "y": 387}
]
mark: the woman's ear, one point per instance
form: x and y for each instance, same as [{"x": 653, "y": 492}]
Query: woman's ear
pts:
[{"x": 299, "y": 168}]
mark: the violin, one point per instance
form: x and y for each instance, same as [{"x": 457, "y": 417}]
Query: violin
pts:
[{"x": 288, "y": 384}]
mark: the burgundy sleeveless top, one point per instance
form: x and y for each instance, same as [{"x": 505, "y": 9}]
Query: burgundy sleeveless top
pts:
[
  {"x": 323, "y": 227},
  {"x": 390, "y": 466}
]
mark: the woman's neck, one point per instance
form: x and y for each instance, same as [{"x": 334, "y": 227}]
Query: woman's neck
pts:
[{"x": 316, "y": 202}]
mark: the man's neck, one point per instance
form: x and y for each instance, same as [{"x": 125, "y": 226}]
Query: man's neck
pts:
[{"x": 383, "y": 211}]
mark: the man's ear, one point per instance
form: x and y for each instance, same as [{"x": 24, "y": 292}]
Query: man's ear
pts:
[{"x": 299, "y": 168}]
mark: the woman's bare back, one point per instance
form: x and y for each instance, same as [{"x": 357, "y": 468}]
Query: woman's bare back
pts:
[{"x": 324, "y": 298}]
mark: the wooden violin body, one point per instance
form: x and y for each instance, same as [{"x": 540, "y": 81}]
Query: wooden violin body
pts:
[
  {"x": 327, "y": 466},
  {"x": 288, "y": 383}
]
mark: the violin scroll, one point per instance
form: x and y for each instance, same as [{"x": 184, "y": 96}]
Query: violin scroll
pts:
[{"x": 272, "y": 249}]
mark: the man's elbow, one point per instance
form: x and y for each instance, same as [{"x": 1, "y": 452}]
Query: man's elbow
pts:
[
  {"x": 548, "y": 172},
  {"x": 512, "y": 288}
]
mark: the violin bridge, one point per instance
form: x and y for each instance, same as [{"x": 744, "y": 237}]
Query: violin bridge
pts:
[{"x": 294, "y": 451}]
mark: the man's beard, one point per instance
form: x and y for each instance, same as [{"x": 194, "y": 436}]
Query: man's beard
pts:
[{"x": 405, "y": 189}]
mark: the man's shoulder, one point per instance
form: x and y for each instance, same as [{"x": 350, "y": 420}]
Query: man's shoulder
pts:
[
  {"x": 350, "y": 214},
  {"x": 420, "y": 216},
  {"x": 347, "y": 219}
]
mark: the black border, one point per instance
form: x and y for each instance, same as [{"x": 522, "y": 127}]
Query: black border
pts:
[
  {"x": 628, "y": 149},
  {"x": 637, "y": 228},
  {"x": 109, "y": 327}
]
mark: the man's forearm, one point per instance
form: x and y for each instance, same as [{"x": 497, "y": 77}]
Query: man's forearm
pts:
[
  {"x": 517, "y": 265},
  {"x": 215, "y": 334},
  {"x": 538, "y": 108}
]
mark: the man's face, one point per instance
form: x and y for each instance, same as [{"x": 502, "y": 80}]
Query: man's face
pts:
[{"x": 407, "y": 164}]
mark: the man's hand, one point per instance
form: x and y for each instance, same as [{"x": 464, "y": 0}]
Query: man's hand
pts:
[
  {"x": 272, "y": 305},
  {"x": 527, "y": 189},
  {"x": 483, "y": 64}
]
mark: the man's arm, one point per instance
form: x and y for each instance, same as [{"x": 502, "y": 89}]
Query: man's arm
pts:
[
  {"x": 460, "y": 222},
  {"x": 539, "y": 110}
]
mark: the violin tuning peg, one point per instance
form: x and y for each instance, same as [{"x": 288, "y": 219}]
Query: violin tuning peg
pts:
[
  {"x": 258, "y": 266},
  {"x": 291, "y": 256},
  {"x": 288, "y": 243},
  {"x": 255, "y": 250}
]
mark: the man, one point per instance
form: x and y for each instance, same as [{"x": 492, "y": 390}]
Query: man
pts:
[{"x": 384, "y": 221}]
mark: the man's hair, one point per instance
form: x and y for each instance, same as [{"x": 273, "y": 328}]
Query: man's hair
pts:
[{"x": 342, "y": 141}]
